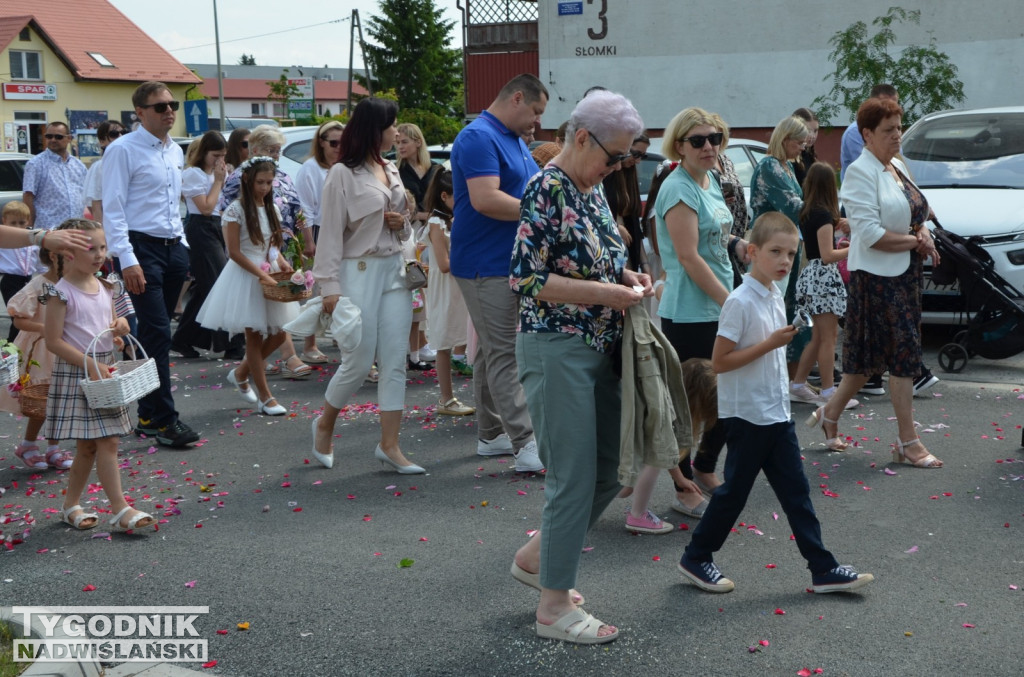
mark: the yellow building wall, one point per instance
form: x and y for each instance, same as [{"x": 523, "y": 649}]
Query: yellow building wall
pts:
[{"x": 112, "y": 97}]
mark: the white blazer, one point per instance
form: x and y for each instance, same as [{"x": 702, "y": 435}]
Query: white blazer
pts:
[{"x": 874, "y": 204}]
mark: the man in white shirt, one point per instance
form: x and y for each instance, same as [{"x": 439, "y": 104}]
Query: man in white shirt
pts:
[{"x": 141, "y": 190}]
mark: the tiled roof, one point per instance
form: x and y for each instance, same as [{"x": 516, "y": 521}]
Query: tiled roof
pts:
[
  {"x": 73, "y": 28},
  {"x": 241, "y": 88}
]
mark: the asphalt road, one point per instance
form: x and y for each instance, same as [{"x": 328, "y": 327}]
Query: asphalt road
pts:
[{"x": 324, "y": 593}]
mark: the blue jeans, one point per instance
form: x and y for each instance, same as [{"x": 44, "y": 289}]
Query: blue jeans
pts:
[
  {"x": 165, "y": 267},
  {"x": 774, "y": 449}
]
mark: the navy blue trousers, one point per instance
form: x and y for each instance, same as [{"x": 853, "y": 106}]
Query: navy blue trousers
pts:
[{"x": 775, "y": 450}]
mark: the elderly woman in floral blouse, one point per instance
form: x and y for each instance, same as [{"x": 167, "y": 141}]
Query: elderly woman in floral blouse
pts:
[
  {"x": 568, "y": 266},
  {"x": 267, "y": 140}
]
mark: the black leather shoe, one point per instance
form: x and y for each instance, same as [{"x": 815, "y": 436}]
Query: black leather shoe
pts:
[{"x": 185, "y": 351}]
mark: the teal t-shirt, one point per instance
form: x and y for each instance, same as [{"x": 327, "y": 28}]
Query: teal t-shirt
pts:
[{"x": 683, "y": 300}]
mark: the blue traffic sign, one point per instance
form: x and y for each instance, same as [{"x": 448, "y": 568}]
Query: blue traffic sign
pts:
[{"x": 196, "y": 117}]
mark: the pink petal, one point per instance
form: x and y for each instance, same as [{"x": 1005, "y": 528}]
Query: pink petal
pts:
[{"x": 190, "y": 584}]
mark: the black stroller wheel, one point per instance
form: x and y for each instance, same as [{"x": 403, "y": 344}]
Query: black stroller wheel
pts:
[
  {"x": 962, "y": 338},
  {"x": 953, "y": 358}
]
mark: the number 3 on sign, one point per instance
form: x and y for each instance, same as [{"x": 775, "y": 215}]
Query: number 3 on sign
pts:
[{"x": 600, "y": 35}]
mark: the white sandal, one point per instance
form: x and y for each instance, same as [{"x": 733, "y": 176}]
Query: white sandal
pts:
[
  {"x": 928, "y": 461},
  {"x": 76, "y": 522},
  {"x": 115, "y": 521}
]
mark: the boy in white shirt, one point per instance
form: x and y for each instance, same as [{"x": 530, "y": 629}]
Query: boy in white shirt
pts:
[{"x": 753, "y": 401}]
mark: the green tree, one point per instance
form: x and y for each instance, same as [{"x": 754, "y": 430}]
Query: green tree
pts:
[
  {"x": 247, "y": 60},
  {"x": 413, "y": 55},
  {"x": 282, "y": 91},
  {"x": 924, "y": 76}
]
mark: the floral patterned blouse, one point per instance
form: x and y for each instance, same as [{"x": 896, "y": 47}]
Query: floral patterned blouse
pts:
[
  {"x": 738, "y": 206},
  {"x": 285, "y": 197},
  {"x": 773, "y": 188},
  {"x": 566, "y": 232}
]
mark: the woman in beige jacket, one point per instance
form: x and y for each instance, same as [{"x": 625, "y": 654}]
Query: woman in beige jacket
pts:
[{"x": 363, "y": 221}]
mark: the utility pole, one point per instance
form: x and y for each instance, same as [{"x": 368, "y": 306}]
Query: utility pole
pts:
[
  {"x": 354, "y": 26},
  {"x": 220, "y": 73}
]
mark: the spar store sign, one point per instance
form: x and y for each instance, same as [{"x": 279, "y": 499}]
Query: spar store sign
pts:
[{"x": 18, "y": 90}]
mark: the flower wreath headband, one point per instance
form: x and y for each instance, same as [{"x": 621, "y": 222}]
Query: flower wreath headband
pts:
[
  {"x": 666, "y": 165},
  {"x": 248, "y": 164}
]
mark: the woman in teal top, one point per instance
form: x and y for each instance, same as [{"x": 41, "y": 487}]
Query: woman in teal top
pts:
[{"x": 693, "y": 225}]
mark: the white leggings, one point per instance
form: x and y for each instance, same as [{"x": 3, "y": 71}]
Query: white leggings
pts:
[{"x": 376, "y": 285}]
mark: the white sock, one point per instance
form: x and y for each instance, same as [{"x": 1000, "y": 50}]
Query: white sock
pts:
[
  {"x": 414, "y": 356},
  {"x": 796, "y": 386},
  {"x": 827, "y": 392},
  {"x": 458, "y": 358}
]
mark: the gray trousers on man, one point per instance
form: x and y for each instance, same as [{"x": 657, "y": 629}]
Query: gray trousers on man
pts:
[{"x": 500, "y": 402}]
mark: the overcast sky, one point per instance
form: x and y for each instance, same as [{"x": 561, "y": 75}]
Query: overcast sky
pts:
[{"x": 183, "y": 26}]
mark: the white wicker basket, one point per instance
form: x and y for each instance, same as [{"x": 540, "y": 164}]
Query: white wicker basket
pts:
[
  {"x": 9, "y": 369},
  {"x": 131, "y": 380}
]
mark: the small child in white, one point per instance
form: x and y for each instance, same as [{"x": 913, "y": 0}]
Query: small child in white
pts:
[{"x": 753, "y": 402}]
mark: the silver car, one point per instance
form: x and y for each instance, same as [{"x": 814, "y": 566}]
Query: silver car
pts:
[
  {"x": 970, "y": 166},
  {"x": 12, "y": 171}
]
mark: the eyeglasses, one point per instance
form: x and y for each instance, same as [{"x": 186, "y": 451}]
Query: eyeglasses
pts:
[
  {"x": 698, "y": 140},
  {"x": 58, "y": 137},
  {"x": 114, "y": 133},
  {"x": 333, "y": 143},
  {"x": 612, "y": 159},
  {"x": 638, "y": 154},
  {"x": 162, "y": 106}
]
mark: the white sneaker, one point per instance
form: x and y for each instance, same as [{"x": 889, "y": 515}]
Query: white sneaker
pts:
[
  {"x": 527, "y": 459},
  {"x": 499, "y": 446},
  {"x": 804, "y": 393},
  {"x": 428, "y": 354}
]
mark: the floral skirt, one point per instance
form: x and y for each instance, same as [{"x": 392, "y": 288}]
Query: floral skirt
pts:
[
  {"x": 883, "y": 323},
  {"x": 820, "y": 289}
]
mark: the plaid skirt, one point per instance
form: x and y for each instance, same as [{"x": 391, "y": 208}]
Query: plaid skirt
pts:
[
  {"x": 883, "y": 322},
  {"x": 68, "y": 414}
]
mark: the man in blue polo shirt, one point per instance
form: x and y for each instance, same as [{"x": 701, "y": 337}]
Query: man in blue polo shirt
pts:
[{"x": 490, "y": 168}]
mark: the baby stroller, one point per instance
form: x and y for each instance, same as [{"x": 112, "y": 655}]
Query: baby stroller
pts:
[{"x": 996, "y": 329}]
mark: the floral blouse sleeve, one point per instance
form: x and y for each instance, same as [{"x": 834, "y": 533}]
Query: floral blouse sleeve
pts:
[
  {"x": 774, "y": 189},
  {"x": 287, "y": 200},
  {"x": 565, "y": 232},
  {"x": 738, "y": 206}
]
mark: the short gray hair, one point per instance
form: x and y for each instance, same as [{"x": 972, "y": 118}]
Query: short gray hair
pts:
[
  {"x": 605, "y": 114},
  {"x": 263, "y": 136}
]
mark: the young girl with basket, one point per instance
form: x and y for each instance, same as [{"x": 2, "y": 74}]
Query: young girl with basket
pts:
[
  {"x": 79, "y": 313},
  {"x": 36, "y": 364},
  {"x": 252, "y": 231},
  {"x": 446, "y": 310}
]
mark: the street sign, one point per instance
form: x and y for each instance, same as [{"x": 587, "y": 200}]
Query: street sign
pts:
[
  {"x": 300, "y": 108},
  {"x": 196, "y": 117}
]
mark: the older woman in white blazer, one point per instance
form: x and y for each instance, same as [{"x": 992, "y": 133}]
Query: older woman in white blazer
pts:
[
  {"x": 363, "y": 221},
  {"x": 888, "y": 243}
]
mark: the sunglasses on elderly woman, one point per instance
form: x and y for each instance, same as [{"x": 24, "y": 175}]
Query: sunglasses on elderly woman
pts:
[
  {"x": 612, "y": 159},
  {"x": 698, "y": 140},
  {"x": 162, "y": 106}
]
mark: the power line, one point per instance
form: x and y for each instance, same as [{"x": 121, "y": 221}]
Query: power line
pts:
[{"x": 252, "y": 37}]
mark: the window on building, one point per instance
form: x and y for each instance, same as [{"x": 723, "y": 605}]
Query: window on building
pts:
[
  {"x": 279, "y": 110},
  {"x": 257, "y": 109},
  {"x": 26, "y": 65},
  {"x": 25, "y": 35},
  {"x": 100, "y": 59},
  {"x": 29, "y": 115}
]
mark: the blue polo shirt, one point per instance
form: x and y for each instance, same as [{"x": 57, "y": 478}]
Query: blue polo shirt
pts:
[{"x": 482, "y": 246}]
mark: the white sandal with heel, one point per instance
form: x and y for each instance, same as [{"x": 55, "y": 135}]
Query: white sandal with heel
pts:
[
  {"x": 928, "y": 461},
  {"x": 817, "y": 418}
]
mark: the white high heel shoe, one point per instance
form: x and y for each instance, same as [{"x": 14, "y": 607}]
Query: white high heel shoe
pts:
[
  {"x": 276, "y": 410},
  {"x": 248, "y": 394},
  {"x": 326, "y": 460},
  {"x": 411, "y": 469}
]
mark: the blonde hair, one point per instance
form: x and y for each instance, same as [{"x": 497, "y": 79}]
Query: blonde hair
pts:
[
  {"x": 722, "y": 127},
  {"x": 788, "y": 128},
  {"x": 415, "y": 134},
  {"x": 770, "y": 224},
  {"x": 262, "y": 137},
  {"x": 316, "y": 150},
  {"x": 679, "y": 128},
  {"x": 16, "y": 208}
]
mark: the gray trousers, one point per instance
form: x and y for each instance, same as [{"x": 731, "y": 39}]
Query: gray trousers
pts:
[
  {"x": 500, "y": 403},
  {"x": 575, "y": 400}
]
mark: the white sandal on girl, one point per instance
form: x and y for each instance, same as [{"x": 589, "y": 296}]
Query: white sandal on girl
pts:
[
  {"x": 133, "y": 523},
  {"x": 76, "y": 522}
]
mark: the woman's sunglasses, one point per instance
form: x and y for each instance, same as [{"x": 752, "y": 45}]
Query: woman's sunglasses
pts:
[{"x": 698, "y": 140}]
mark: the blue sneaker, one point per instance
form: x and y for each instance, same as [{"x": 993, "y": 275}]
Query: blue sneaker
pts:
[
  {"x": 841, "y": 579},
  {"x": 705, "y": 575}
]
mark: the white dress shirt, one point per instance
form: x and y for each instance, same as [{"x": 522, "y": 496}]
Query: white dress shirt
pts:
[
  {"x": 309, "y": 184},
  {"x": 141, "y": 189}
]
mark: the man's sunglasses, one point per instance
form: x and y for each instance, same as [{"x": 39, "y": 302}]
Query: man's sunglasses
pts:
[
  {"x": 698, "y": 140},
  {"x": 162, "y": 106},
  {"x": 612, "y": 159},
  {"x": 58, "y": 137}
]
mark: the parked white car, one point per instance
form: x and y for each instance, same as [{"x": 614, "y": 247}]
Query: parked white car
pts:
[{"x": 970, "y": 166}]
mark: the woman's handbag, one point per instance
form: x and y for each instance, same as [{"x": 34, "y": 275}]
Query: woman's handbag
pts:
[{"x": 415, "y": 275}]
